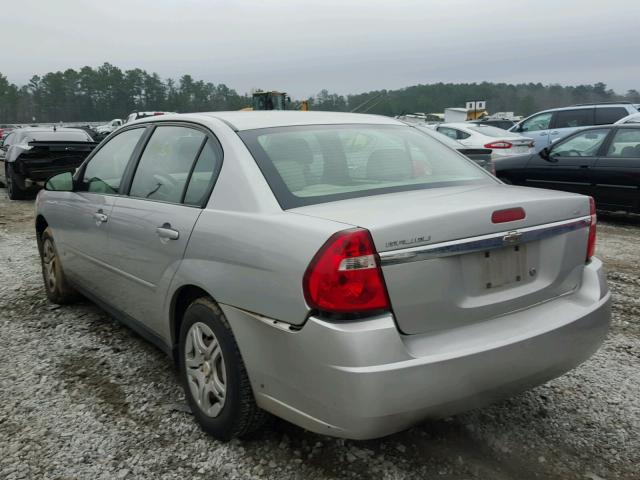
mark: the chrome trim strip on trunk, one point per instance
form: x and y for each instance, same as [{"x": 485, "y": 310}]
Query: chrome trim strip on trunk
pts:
[{"x": 483, "y": 242}]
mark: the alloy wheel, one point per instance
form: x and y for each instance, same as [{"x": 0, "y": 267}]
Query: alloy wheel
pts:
[
  {"x": 205, "y": 369},
  {"x": 49, "y": 260}
]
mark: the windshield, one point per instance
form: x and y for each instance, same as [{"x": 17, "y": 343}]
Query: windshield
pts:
[
  {"x": 490, "y": 131},
  {"x": 316, "y": 164}
]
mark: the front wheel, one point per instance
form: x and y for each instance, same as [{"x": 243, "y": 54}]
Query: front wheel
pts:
[{"x": 213, "y": 374}]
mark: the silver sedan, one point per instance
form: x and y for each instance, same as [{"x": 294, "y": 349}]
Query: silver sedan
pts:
[{"x": 344, "y": 272}]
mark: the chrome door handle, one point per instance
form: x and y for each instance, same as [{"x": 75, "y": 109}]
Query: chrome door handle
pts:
[
  {"x": 100, "y": 217},
  {"x": 165, "y": 231},
  {"x": 554, "y": 133}
]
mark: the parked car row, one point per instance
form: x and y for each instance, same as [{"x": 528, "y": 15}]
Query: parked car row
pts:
[
  {"x": 551, "y": 125},
  {"x": 345, "y": 272},
  {"x": 603, "y": 162}
]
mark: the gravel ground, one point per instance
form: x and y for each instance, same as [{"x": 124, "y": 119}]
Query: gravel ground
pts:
[{"x": 82, "y": 397}]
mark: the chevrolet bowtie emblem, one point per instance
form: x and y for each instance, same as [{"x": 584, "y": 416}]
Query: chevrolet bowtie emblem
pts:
[{"x": 512, "y": 238}]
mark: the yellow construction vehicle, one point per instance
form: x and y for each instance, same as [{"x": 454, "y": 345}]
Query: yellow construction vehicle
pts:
[
  {"x": 273, "y": 100},
  {"x": 269, "y": 100}
]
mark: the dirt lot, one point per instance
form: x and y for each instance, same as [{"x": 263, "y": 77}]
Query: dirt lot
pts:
[{"x": 82, "y": 397}]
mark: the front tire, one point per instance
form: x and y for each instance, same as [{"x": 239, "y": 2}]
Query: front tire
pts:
[
  {"x": 14, "y": 183},
  {"x": 55, "y": 283},
  {"x": 213, "y": 374}
]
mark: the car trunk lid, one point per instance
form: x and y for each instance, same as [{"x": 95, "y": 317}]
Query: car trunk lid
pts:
[{"x": 446, "y": 264}]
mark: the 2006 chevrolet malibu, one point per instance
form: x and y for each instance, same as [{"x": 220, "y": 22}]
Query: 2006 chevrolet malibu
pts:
[{"x": 344, "y": 272}]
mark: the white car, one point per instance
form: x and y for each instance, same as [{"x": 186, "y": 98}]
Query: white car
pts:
[
  {"x": 501, "y": 142},
  {"x": 112, "y": 126},
  {"x": 633, "y": 118}
]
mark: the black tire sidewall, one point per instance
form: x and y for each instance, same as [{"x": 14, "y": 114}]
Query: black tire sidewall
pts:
[{"x": 224, "y": 425}]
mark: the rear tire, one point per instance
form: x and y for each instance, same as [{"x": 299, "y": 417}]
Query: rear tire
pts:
[
  {"x": 55, "y": 283},
  {"x": 15, "y": 183},
  {"x": 213, "y": 374}
]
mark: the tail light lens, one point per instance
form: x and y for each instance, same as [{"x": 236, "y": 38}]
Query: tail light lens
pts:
[
  {"x": 591, "y": 245},
  {"x": 345, "y": 275},
  {"x": 498, "y": 145}
]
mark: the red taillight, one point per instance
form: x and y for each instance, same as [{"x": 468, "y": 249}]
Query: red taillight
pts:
[
  {"x": 498, "y": 145},
  {"x": 345, "y": 275},
  {"x": 155, "y": 114},
  {"x": 591, "y": 245},
  {"x": 508, "y": 215}
]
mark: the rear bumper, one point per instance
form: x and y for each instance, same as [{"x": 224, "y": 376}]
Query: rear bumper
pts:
[
  {"x": 364, "y": 379},
  {"x": 41, "y": 171}
]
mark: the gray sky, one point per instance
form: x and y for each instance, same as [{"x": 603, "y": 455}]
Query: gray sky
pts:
[{"x": 346, "y": 46}]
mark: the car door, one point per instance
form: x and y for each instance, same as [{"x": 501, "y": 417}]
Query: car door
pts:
[
  {"x": 150, "y": 227},
  {"x": 537, "y": 128},
  {"x": 568, "y": 121},
  {"x": 568, "y": 163},
  {"x": 83, "y": 215},
  {"x": 617, "y": 172}
]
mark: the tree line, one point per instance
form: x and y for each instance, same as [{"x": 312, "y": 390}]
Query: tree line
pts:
[{"x": 105, "y": 92}]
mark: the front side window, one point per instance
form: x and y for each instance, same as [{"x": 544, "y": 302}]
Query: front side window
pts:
[
  {"x": 539, "y": 122},
  {"x": 104, "y": 171},
  {"x": 626, "y": 144},
  {"x": 311, "y": 164},
  {"x": 165, "y": 164},
  {"x": 582, "y": 117},
  {"x": 585, "y": 144}
]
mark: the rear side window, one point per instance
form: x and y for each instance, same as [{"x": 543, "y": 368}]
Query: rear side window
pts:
[
  {"x": 574, "y": 118},
  {"x": 104, "y": 171},
  {"x": 626, "y": 144},
  {"x": 311, "y": 164},
  {"x": 166, "y": 162},
  {"x": 609, "y": 115},
  {"x": 453, "y": 133},
  {"x": 204, "y": 171}
]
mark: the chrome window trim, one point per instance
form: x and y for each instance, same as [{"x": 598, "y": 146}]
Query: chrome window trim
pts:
[{"x": 483, "y": 242}]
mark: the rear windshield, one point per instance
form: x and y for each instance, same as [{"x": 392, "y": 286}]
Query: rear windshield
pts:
[
  {"x": 490, "y": 131},
  {"x": 306, "y": 165},
  {"x": 59, "y": 136}
]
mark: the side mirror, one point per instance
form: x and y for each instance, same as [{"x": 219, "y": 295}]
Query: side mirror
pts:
[
  {"x": 546, "y": 154},
  {"x": 63, "y": 182}
]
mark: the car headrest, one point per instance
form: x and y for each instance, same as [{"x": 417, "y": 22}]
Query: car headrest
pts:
[
  {"x": 390, "y": 164},
  {"x": 628, "y": 152},
  {"x": 290, "y": 150}
]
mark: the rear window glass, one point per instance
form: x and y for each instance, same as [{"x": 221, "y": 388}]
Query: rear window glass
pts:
[
  {"x": 60, "y": 136},
  {"x": 312, "y": 164}
]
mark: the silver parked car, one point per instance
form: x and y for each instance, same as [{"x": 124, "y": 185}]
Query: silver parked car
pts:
[{"x": 344, "y": 272}]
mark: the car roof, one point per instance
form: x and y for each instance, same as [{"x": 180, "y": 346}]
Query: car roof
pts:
[
  {"x": 584, "y": 107},
  {"x": 249, "y": 120}
]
